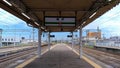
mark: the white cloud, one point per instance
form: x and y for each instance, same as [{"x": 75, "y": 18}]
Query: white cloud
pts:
[
  {"x": 110, "y": 18},
  {"x": 109, "y": 23},
  {"x": 8, "y": 19}
]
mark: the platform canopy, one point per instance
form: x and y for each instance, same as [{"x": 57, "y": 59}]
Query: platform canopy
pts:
[{"x": 58, "y": 15}]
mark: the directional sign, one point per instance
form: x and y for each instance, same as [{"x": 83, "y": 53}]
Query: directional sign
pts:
[
  {"x": 52, "y": 35},
  {"x": 69, "y": 35}
]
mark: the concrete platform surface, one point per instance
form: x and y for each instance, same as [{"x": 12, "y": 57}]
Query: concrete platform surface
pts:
[{"x": 59, "y": 57}]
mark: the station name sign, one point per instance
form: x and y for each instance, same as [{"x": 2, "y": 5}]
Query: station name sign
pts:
[{"x": 60, "y": 21}]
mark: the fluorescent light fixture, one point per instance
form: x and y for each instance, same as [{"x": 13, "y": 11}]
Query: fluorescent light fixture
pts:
[
  {"x": 92, "y": 15},
  {"x": 42, "y": 27},
  {"x": 36, "y": 23},
  {"x": 45, "y": 30},
  {"x": 78, "y": 27},
  {"x": 29, "y": 25},
  {"x": 83, "y": 22},
  {"x": 25, "y": 15},
  {"x": 7, "y": 2},
  {"x": 75, "y": 29},
  {"x": 109, "y": 0}
]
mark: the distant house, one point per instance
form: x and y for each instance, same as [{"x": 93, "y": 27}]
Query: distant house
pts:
[
  {"x": 10, "y": 41},
  {"x": 7, "y": 41}
]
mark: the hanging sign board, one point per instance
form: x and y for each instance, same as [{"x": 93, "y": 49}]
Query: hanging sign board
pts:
[{"x": 60, "y": 21}]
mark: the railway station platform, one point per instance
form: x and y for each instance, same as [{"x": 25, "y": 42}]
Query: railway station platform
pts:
[{"x": 61, "y": 56}]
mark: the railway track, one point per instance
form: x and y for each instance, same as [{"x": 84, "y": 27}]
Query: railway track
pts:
[
  {"x": 16, "y": 55},
  {"x": 11, "y": 59},
  {"x": 24, "y": 54},
  {"x": 3, "y": 54},
  {"x": 105, "y": 57},
  {"x": 110, "y": 59}
]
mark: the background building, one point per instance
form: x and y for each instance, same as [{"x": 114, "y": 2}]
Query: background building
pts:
[
  {"x": 7, "y": 41},
  {"x": 116, "y": 39},
  {"x": 15, "y": 41},
  {"x": 94, "y": 35}
]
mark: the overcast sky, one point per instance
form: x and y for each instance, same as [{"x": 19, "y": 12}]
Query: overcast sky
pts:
[{"x": 109, "y": 23}]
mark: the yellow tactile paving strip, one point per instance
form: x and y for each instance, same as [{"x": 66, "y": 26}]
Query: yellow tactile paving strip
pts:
[{"x": 95, "y": 65}]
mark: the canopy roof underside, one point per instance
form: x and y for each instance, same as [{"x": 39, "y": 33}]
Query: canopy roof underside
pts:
[{"x": 84, "y": 11}]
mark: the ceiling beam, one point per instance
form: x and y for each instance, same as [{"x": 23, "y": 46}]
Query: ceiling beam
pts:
[
  {"x": 102, "y": 10},
  {"x": 9, "y": 9},
  {"x": 56, "y": 10},
  {"x": 94, "y": 8},
  {"x": 24, "y": 10}
]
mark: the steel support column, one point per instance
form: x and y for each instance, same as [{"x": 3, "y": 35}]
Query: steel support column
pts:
[
  {"x": 39, "y": 42},
  {"x": 33, "y": 36},
  {"x": 72, "y": 41},
  {"x": 49, "y": 40},
  {"x": 80, "y": 41}
]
